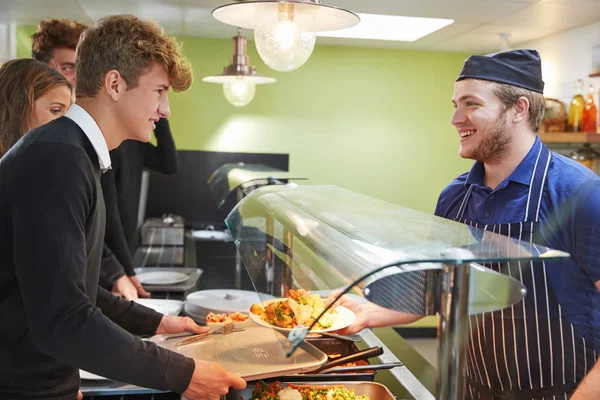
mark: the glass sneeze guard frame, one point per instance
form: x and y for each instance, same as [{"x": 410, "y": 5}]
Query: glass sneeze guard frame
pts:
[
  {"x": 321, "y": 238},
  {"x": 242, "y": 178},
  {"x": 231, "y": 176}
]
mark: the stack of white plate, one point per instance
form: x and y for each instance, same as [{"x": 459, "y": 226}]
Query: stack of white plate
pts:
[
  {"x": 162, "y": 277},
  {"x": 220, "y": 301},
  {"x": 165, "y": 307}
]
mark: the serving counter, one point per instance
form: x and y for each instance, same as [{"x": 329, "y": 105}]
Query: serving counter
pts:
[{"x": 323, "y": 238}]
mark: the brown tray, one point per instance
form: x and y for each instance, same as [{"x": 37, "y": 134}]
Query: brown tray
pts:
[
  {"x": 375, "y": 391},
  {"x": 254, "y": 353}
]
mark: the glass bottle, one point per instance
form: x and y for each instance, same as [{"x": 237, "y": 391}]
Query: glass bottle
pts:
[
  {"x": 589, "y": 113},
  {"x": 574, "y": 121},
  {"x": 586, "y": 156}
]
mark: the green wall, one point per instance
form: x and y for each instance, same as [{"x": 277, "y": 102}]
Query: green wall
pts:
[{"x": 371, "y": 120}]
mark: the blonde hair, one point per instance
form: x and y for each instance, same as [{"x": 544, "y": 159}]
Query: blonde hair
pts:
[{"x": 131, "y": 46}]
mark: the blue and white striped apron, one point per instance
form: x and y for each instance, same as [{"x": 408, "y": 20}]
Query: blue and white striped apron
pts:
[{"x": 527, "y": 351}]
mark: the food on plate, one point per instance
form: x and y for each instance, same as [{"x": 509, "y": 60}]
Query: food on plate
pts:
[
  {"x": 276, "y": 391},
  {"x": 213, "y": 319},
  {"x": 300, "y": 308}
]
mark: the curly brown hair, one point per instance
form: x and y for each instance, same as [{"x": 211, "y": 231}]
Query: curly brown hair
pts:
[
  {"x": 55, "y": 34},
  {"x": 131, "y": 46},
  {"x": 22, "y": 82}
]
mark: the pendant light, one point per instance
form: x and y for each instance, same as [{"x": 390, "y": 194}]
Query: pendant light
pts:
[
  {"x": 285, "y": 31},
  {"x": 239, "y": 78}
]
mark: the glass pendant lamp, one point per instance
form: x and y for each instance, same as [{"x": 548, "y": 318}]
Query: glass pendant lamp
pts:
[
  {"x": 239, "y": 79},
  {"x": 285, "y": 31}
]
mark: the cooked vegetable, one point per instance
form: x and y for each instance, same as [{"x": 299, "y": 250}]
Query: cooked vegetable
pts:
[
  {"x": 275, "y": 391},
  {"x": 299, "y": 308}
]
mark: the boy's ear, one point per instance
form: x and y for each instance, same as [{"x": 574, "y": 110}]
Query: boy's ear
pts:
[{"x": 114, "y": 84}]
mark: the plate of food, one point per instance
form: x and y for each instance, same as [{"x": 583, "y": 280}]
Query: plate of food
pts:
[{"x": 300, "y": 308}]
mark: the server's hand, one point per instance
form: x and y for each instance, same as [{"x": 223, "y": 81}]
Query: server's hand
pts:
[
  {"x": 210, "y": 381},
  {"x": 179, "y": 324},
  {"x": 370, "y": 315},
  {"x": 124, "y": 288},
  {"x": 362, "y": 320}
]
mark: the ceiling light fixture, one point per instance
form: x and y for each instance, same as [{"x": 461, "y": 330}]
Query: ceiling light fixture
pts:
[
  {"x": 239, "y": 78},
  {"x": 285, "y": 31},
  {"x": 391, "y": 27}
]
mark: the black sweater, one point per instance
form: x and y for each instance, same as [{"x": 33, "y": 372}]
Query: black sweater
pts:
[
  {"x": 121, "y": 186},
  {"x": 51, "y": 235}
]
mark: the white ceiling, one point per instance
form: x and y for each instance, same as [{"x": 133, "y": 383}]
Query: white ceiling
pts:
[{"x": 477, "y": 28}]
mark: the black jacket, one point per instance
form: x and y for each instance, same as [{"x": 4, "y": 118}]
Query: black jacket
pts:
[
  {"x": 53, "y": 317},
  {"x": 121, "y": 186}
]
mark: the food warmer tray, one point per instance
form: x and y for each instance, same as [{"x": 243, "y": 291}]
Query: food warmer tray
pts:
[{"x": 375, "y": 391}]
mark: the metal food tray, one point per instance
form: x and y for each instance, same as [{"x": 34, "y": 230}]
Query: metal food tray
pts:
[
  {"x": 254, "y": 353},
  {"x": 193, "y": 273},
  {"x": 159, "y": 256},
  {"x": 328, "y": 346},
  {"x": 375, "y": 391}
]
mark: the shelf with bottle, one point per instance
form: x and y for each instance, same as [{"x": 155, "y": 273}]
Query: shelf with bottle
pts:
[
  {"x": 569, "y": 137},
  {"x": 580, "y": 125}
]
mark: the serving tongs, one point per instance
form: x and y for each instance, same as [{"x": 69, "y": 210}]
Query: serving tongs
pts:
[
  {"x": 359, "y": 355},
  {"x": 361, "y": 368},
  {"x": 225, "y": 329}
]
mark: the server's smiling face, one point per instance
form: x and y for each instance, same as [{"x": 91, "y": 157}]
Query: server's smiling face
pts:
[{"x": 481, "y": 121}]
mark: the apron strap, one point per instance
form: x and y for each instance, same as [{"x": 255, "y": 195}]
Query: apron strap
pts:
[
  {"x": 536, "y": 188},
  {"x": 463, "y": 205},
  {"x": 538, "y": 182}
]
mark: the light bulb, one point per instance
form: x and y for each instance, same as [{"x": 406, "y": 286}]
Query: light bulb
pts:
[
  {"x": 282, "y": 42},
  {"x": 239, "y": 92}
]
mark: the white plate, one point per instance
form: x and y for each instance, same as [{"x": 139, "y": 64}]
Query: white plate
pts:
[
  {"x": 162, "y": 277},
  {"x": 165, "y": 307},
  {"x": 344, "y": 318},
  {"x": 88, "y": 376}
]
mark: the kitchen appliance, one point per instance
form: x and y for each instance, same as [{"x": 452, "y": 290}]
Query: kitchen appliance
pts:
[{"x": 167, "y": 230}]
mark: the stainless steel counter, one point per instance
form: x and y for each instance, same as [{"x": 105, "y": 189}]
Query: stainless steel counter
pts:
[{"x": 415, "y": 379}]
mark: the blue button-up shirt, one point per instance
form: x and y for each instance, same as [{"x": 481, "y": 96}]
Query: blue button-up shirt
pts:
[{"x": 569, "y": 220}]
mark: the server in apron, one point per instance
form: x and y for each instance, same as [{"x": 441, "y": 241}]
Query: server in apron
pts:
[{"x": 542, "y": 347}]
